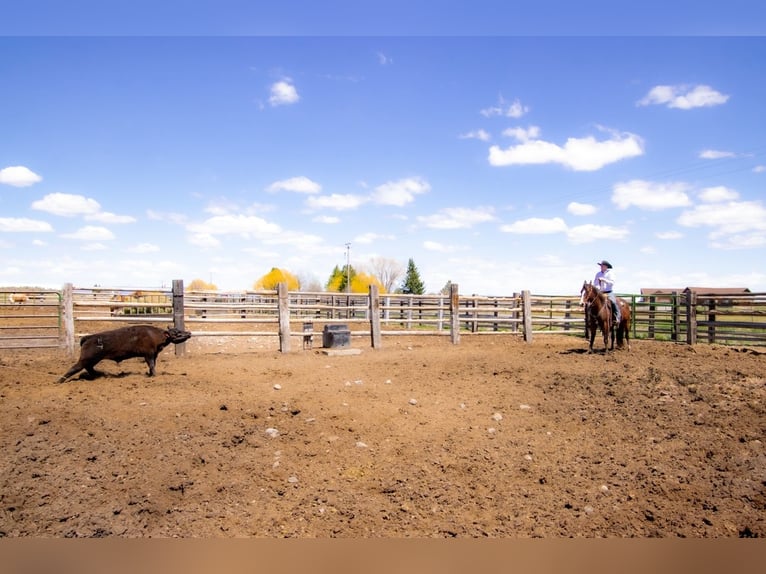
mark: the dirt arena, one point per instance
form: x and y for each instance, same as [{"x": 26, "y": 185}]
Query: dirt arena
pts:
[{"x": 493, "y": 437}]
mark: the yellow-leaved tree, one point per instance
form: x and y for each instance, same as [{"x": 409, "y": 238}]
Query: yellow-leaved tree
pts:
[
  {"x": 360, "y": 283},
  {"x": 200, "y": 285},
  {"x": 274, "y": 278}
]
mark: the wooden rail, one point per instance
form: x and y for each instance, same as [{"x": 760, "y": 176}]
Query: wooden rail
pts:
[{"x": 60, "y": 318}]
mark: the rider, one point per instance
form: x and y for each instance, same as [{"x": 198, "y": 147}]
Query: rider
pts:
[{"x": 605, "y": 282}]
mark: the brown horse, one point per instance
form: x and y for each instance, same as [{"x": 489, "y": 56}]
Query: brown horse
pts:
[{"x": 599, "y": 314}]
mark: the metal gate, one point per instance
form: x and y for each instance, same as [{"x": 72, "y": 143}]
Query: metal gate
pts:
[{"x": 30, "y": 319}]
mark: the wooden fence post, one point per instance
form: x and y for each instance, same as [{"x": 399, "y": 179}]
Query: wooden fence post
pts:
[
  {"x": 454, "y": 313},
  {"x": 374, "y": 317},
  {"x": 711, "y": 321},
  {"x": 67, "y": 314},
  {"x": 526, "y": 300},
  {"x": 283, "y": 303},
  {"x": 652, "y": 312},
  {"x": 178, "y": 313},
  {"x": 676, "y": 327},
  {"x": 691, "y": 318}
]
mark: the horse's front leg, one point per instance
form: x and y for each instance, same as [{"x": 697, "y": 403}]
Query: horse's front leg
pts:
[{"x": 592, "y": 335}]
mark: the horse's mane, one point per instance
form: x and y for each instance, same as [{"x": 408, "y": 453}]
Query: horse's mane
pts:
[{"x": 598, "y": 293}]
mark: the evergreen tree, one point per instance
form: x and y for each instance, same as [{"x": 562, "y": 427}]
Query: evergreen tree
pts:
[{"x": 412, "y": 284}]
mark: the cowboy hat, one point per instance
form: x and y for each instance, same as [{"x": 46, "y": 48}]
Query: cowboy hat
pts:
[{"x": 605, "y": 262}]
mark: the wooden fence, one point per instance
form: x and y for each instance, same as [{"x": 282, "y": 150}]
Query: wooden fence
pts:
[{"x": 58, "y": 319}]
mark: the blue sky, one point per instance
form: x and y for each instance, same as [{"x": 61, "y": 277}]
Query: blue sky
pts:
[{"x": 137, "y": 151}]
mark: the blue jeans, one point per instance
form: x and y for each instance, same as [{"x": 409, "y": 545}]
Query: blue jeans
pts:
[{"x": 615, "y": 307}]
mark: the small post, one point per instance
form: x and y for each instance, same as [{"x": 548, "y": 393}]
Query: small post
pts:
[
  {"x": 375, "y": 317},
  {"x": 284, "y": 317},
  {"x": 691, "y": 318},
  {"x": 178, "y": 313},
  {"x": 67, "y": 313},
  {"x": 652, "y": 311},
  {"x": 526, "y": 300},
  {"x": 454, "y": 312}
]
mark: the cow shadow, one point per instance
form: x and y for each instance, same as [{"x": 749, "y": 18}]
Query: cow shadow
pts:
[{"x": 85, "y": 376}]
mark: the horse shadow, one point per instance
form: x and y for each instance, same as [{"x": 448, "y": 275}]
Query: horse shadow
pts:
[{"x": 575, "y": 352}]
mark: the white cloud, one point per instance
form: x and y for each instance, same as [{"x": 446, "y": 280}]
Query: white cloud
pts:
[
  {"x": 67, "y": 205},
  {"x": 383, "y": 60},
  {"x": 716, "y": 154},
  {"x": 580, "y": 154},
  {"x": 204, "y": 240},
  {"x": 576, "y": 208},
  {"x": 328, "y": 219},
  {"x": 649, "y": 195},
  {"x": 299, "y": 184},
  {"x": 400, "y": 193},
  {"x": 718, "y": 194},
  {"x": 22, "y": 224},
  {"x": 728, "y": 219},
  {"x": 244, "y": 225},
  {"x": 336, "y": 201},
  {"x": 668, "y": 235},
  {"x": 513, "y": 110},
  {"x": 304, "y": 242},
  {"x": 90, "y": 233},
  {"x": 19, "y": 176},
  {"x": 741, "y": 241},
  {"x": 683, "y": 97},
  {"x": 93, "y": 247},
  {"x": 107, "y": 217},
  {"x": 371, "y": 238},
  {"x": 177, "y": 218},
  {"x": 283, "y": 93},
  {"x": 759, "y": 169},
  {"x": 143, "y": 248},
  {"x": 476, "y": 135},
  {"x": 441, "y": 247},
  {"x": 457, "y": 218},
  {"x": 590, "y": 232},
  {"x": 536, "y": 226},
  {"x": 523, "y": 134}
]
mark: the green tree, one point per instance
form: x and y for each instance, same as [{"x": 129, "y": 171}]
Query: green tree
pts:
[
  {"x": 446, "y": 289},
  {"x": 413, "y": 284},
  {"x": 275, "y": 277},
  {"x": 339, "y": 278}
]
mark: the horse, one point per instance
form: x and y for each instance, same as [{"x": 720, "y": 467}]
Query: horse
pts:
[
  {"x": 597, "y": 317},
  {"x": 598, "y": 314}
]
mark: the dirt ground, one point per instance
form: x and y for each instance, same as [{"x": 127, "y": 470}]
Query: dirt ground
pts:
[{"x": 493, "y": 437}]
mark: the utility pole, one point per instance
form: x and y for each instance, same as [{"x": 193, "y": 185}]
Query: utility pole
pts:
[{"x": 348, "y": 268}]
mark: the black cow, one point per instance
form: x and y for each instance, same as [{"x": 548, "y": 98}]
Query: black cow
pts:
[{"x": 124, "y": 343}]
